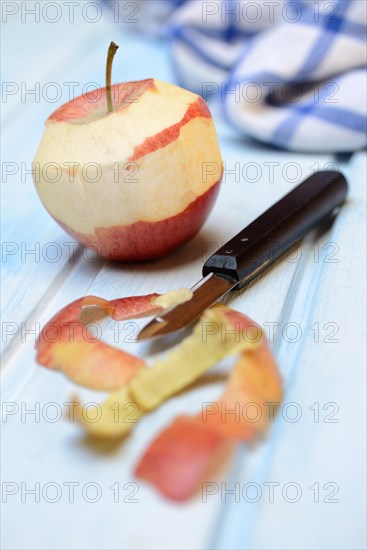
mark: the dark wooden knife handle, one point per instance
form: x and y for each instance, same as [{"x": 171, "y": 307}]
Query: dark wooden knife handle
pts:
[{"x": 279, "y": 228}]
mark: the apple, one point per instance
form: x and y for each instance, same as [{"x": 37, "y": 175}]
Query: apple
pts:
[{"x": 132, "y": 169}]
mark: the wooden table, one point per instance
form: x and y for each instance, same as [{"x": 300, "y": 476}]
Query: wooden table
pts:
[{"x": 311, "y": 306}]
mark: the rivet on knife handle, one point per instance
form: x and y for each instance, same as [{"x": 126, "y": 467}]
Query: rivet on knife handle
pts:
[{"x": 279, "y": 228}]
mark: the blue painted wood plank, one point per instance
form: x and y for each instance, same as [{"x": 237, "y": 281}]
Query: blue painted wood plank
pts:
[{"x": 322, "y": 452}]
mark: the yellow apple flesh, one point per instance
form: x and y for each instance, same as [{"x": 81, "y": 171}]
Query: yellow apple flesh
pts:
[{"x": 134, "y": 183}]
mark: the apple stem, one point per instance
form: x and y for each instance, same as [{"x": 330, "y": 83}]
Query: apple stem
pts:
[{"x": 110, "y": 55}]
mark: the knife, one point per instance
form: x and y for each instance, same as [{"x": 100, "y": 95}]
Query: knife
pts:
[{"x": 257, "y": 246}]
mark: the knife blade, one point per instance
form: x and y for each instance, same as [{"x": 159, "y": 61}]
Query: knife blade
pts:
[
  {"x": 207, "y": 291},
  {"x": 256, "y": 247}
]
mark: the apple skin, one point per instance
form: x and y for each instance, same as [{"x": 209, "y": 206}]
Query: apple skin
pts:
[
  {"x": 149, "y": 191},
  {"x": 143, "y": 241}
]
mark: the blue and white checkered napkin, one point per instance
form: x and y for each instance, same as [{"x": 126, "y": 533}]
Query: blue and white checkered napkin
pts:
[{"x": 289, "y": 73}]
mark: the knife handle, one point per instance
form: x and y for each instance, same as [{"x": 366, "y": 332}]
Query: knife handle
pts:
[{"x": 279, "y": 228}]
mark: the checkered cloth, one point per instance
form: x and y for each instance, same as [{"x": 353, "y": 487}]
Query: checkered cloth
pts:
[{"x": 289, "y": 73}]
